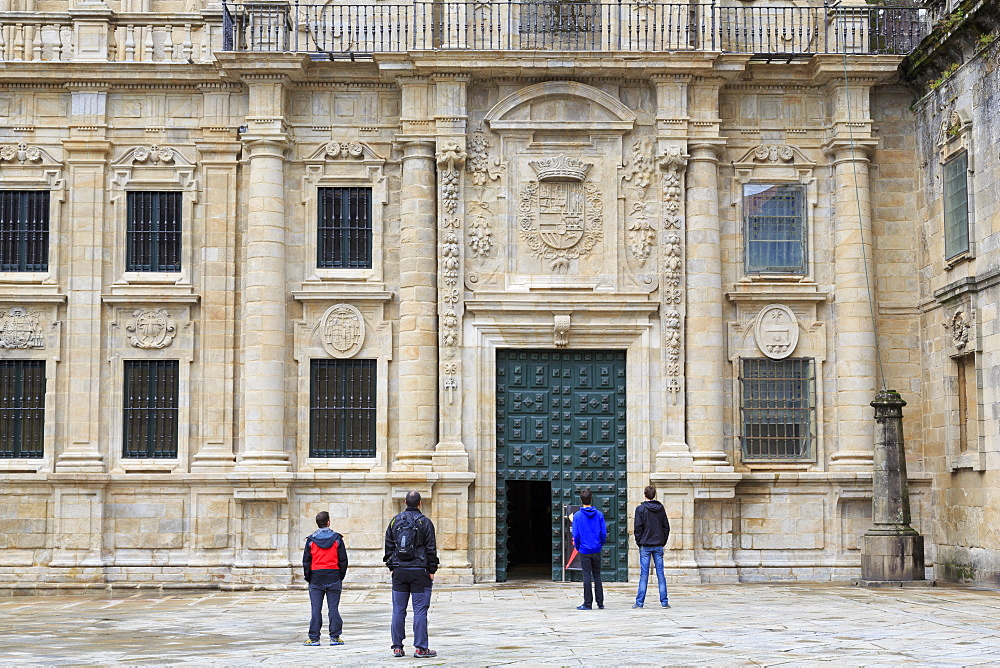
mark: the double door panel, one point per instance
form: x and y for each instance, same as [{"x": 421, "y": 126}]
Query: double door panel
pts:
[{"x": 561, "y": 419}]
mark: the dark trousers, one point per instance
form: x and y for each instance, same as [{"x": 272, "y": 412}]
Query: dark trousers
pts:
[
  {"x": 591, "y": 564},
  {"x": 331, "y": 592},
  {"x": 410, "y": 583}
]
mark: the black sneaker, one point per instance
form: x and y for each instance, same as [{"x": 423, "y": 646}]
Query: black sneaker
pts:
[
  {"x": 600, "y": 606},
  {"x": 424, "y": 653},
  {"x": 398, "y": 652},
  {"x": 665, "y": 605}
]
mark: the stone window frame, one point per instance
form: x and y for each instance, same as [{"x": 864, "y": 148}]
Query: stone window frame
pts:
[
  {"x": 50, "y": 355},
  {"x": 741, "y": 423},
  {"x": 776, "y": 165},
  {"x": 373, "y": 417},
  {"x": 377, "y": 345},
  {"x": 811, "y": 344},
  {"x": 962, "y": 340},
  {"x": 954, "y": 139},
  {"x": 342, "y": 165},
  {"x": 45, "y": 174},
  {"x": 133, "y": 173},
  {"x": 180, "y": 349}
]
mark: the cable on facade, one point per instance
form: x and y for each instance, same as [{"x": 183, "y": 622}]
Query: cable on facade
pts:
[{"x": 861, "y": 229}]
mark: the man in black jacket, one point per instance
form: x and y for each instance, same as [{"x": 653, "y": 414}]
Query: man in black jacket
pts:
[
  {"x": 651, "y": 532},
  {"x": 411, "y": 555},
  {"x": 324, "y": 564}
]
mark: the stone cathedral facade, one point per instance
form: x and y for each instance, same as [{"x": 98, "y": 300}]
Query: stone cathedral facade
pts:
[{"x": 269, "y": 259}]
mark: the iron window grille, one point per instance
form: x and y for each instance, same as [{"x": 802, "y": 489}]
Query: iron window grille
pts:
[
  {"x": 22, "y": 408},
  {"x": 774, "y": 228},
  {"x": 344, "y": 228},
  {"x": 778, "y": 408},
  {"x": 24, "y": 230},
  {"x": 342, "y": 408},
  {"x": 956, "y": 205},
  {"x": 154, "y": 231},
  {"x": 150, "y": 407}
]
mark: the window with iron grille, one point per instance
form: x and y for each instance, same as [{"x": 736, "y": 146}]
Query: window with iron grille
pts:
[
  {"x": 344, "y": 228},
  {"x": 154, "y": 231},
  {"x": 22, "y": 408},
  {"x": 956, "y": 205},
  {"x": 150, "y": 403},
  {"x": 774, "y": 219},
  {"x": 778, "y": 408},
  {"x": 342, "y": 408},
  {"x": 24, "y": 230}
]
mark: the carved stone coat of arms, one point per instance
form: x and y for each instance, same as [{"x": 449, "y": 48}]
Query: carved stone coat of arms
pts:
[{"x": 560, "y": 214}]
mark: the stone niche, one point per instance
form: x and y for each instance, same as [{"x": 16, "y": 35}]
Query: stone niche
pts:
[{"x": 561, "y": 142}]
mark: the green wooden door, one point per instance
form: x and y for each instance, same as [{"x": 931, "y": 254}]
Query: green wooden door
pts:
[{"x": 561, "y": 418}]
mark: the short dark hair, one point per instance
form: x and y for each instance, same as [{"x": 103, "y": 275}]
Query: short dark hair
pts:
[
  {"x": 412, "y": 499},
  {"x": 649, "y": 492},
  {"x": 322, "y": 519},
  {"x": 586, "y": 497}
]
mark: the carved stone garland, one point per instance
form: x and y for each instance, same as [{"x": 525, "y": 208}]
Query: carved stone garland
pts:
[
  {"x": 673, "y": 162},
  {"x": 482, "y": 171},
  {"x": 641, "y": 235},
  {"x": 451, "y": 159}
]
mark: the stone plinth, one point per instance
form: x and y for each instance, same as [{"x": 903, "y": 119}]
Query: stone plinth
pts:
[{"x": 891, "y": 550}]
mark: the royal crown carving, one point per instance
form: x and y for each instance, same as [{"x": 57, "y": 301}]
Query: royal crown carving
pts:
[{"x": 562, "y": 168}]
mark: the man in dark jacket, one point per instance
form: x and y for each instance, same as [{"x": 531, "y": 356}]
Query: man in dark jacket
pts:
[
  {"x": 411, "y": 556},
  {"x": 651, "y": 532},
  {"x": 324, "y": 562},
  {"x": 589, "y": 533}
]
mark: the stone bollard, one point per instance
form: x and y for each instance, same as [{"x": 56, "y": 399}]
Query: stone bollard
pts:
[{"x": 892, "y": 552}]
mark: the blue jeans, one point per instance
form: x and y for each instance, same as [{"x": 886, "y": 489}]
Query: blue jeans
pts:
[
  {"x": 330, "y": 592},
  {"x": 657, "y": 553}
]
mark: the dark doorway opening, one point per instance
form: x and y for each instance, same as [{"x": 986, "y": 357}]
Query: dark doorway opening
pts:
[{"x": 529, "y": 539}]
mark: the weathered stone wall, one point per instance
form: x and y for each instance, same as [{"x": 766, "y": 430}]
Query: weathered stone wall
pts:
[{"x": 959, "y": 299}]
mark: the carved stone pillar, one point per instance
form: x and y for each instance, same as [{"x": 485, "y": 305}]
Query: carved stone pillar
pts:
[
  {"x": 86, "y": 160},
  {"x": 418, "y": 340},
  {"x": 705, "y": 352},
  {"x": 215, "y": 450},
  {"x": 854, "y": 334}
]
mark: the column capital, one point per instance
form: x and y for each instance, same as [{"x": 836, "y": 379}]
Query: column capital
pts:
[
  {"x": 705, "y": 149},
  {"x": 845, "y": 149},
  {"x": 273, "y": 145},
  {"x": 417, "y": 146}
]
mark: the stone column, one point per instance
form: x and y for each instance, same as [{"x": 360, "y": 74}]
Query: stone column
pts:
[
  {"x": 854, "y": 334},
  {"x": 264, "y": 319},
  {"x": 891, "y": 550},
  {"x": 86, "y": 159},
  {"x": 705, "y": 351},
  {"x": 418, "y": 353}
]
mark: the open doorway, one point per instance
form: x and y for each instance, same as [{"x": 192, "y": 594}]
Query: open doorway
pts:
[{"x": 529, "y": 539}]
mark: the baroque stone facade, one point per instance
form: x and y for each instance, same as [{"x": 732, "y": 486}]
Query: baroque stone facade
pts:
[{"x": 572, "y": 206}]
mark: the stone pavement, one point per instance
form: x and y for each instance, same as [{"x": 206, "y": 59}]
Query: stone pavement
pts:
[{"x": 527, "y": 622}]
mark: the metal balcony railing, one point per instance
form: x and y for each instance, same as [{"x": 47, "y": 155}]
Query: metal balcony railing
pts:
[{"x": 781, "y": 31}]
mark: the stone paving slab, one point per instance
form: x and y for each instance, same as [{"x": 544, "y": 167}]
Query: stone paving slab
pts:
[{"x": 519, "y": 623}]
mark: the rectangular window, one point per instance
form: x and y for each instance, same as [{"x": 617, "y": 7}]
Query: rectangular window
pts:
[
  {"x": 154, "y": 231},
  {"x": 342, "y": 408},
  {"x": 778, "y": 408},
  {"x": 344, "y": 228},
  {"x": 24, "y": 230},
  {"x": 774, "y": 219},
  {"x": 150, "y": 402},
  {"x": 22, "y": 408},
  {"x": 968, "y": 403},
  {"x": 956, "y": 205}
]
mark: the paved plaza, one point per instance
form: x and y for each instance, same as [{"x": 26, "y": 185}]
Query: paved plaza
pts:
[{"x": 518, "y": 623}]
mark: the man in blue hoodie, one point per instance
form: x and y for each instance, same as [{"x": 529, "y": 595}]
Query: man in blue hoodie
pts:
[
  {"x": 324, "y": 563},
  {"x": 589, "y": 534}
]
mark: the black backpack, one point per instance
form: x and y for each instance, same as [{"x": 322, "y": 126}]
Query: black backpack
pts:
[{"x": 404, "y": 532}]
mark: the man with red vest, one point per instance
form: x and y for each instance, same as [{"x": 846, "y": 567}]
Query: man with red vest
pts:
[{"x": 324, "y": 562}]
